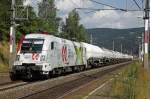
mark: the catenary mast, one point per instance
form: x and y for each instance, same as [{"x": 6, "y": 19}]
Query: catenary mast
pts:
[{"x": 146, "y": 35}]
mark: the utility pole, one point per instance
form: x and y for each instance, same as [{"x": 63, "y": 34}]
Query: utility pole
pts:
[
  {"x": 113, "y": 45},
  {"x": 121, "y": 47},
  {"x": 146, "y": 35},
  {"x": 12, "y": 35},
  {"x": 142, "y": 52},
  {"x": 13, "y": 26},
  {"x": 91, "y": 39},
  {"x": 140, "y": 46},
  {"x": 45, "y": 8},
  {"x": 131, "y": 52}
]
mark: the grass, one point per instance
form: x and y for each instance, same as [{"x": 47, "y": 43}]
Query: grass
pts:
[
  {"x": 79, "y": 97},
  {"x": 4, "y": 57},
  {"x": 133, "y": 83},
  {"x": 143, "y": 84}
]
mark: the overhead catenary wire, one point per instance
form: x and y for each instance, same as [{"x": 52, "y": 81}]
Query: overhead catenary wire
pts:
[
  {"x": 142, "y": 4},
  {"x": 113, "y": 7},
  {"x": 107, "y": 5},
  {"x": 137, "y": 4},
  {"x": 98, "y": 9},
  {"x": 74, "y": 3},
  {"x": 126, "y": 4}
]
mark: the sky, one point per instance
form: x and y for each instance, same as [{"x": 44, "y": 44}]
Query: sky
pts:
[{"x": 100, "y": 19}]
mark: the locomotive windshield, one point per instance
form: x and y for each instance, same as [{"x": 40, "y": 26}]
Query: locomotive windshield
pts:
[{"x": 32, "y": 46}]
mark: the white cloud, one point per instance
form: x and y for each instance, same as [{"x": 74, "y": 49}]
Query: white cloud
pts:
[
  {"x": 99, "y": 19},
  {"x": 65, "y": 6},
  {"x": 68, "y": 5},
  {"x": 33, "y": 3},
  {"x": 27, "y": 2},
  {"x": 112, "y": 19}
]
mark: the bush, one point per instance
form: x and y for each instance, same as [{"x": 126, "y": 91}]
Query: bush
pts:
[{"x": 4, "y": 57}]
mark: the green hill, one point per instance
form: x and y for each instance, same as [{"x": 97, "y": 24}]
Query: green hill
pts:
[{"x": 104, "y": 37}]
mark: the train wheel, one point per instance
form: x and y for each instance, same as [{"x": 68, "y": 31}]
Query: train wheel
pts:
[
  {"x": 13, "y": 76},
  {"x": 56, "y": 72},
  {"x": 29, "y": 74},
  {"x": 59, "y": 71},
  {"x": 44, "y": 77},
  {"x": 78, "y": 69},
  {"x": 82, "y": 68}
]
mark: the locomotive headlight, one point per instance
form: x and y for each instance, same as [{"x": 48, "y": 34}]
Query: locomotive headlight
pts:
[
  {"x": 17, "y": 57},
  {"x": 43, "y": 57}
]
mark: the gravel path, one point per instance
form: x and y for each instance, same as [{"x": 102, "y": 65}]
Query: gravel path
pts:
[{"x": 4, "y": 78}]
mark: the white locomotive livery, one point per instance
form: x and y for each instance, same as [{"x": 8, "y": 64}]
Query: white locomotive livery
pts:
[{"x": 42, "y": 55}]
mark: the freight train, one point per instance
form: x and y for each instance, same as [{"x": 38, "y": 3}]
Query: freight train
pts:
[{"x": 43, "y": 55}]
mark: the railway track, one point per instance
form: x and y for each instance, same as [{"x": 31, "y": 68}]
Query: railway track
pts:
[
  {"x": 11, "y": 85},
  {"x": 8, "y": 83},
  {"x": 57, "y": 91},
  {"x": 56, "y": 87}
]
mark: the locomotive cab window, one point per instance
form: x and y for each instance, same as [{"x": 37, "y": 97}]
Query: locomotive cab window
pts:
[
  {"x": 52, "y": 45},
  {"x": 32, "y": 45}
]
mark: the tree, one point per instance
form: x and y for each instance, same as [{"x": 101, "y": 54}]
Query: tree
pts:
[
  {"x": 47, "y": 15},
  {"x": 72, "y": 29},
  {"x": 28, "y": 26},
  {"x": 25, "y": 26},
  {"x": 82, "y": 34},
  {"x": 46, "y": 19},
  {"x": 4, "y": 19}
]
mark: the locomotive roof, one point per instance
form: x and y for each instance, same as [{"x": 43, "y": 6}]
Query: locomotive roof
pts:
[
  {"x": 38, "y": 35},
  {"x": 44, "y": 36}
]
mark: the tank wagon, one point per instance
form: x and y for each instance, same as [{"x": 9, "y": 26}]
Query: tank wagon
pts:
[
  {"x": 94, "y": 55},
  {"x": 42, "y": 55}
]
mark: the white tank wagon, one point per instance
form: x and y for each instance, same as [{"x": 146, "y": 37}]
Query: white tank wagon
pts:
[
  {"x": 113, "y": 57},
  {"x": 108, "y": 56},
  {"x": 94, "y": 55},
  {"x": 43, "y": 55},
  {"x": 117, "y": 57},
  {"x": 128, "y": 57},
  {"x": 122, "y": 57}
]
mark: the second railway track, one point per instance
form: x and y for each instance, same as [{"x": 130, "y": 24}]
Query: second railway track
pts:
[{"x": 10, "y": 85}]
